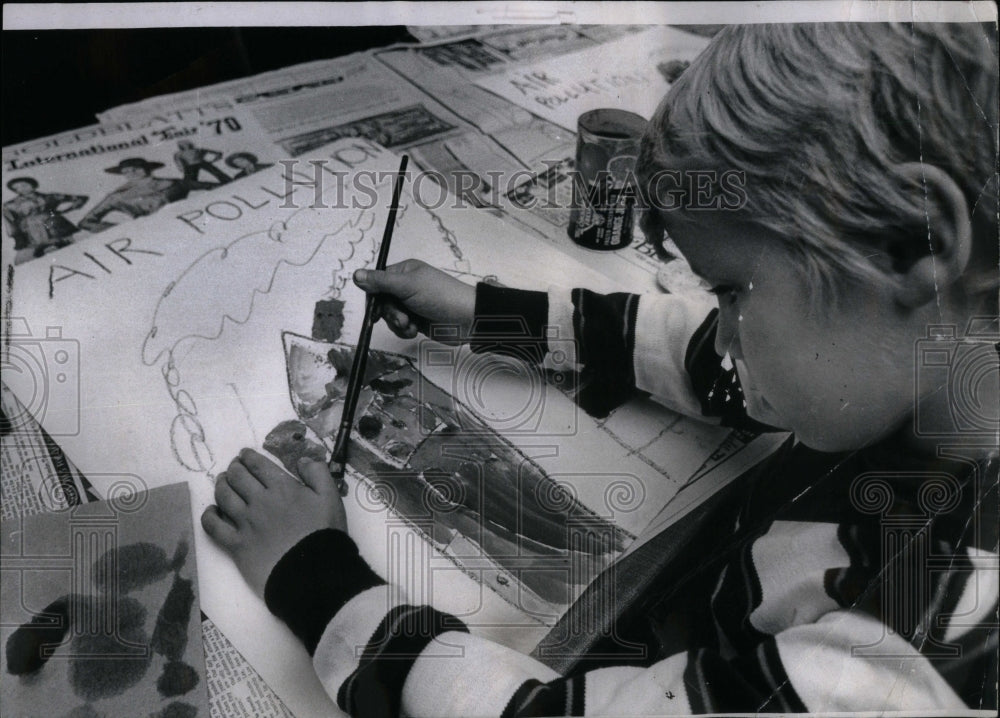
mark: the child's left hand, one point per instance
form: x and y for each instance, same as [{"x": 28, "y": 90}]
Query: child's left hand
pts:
[{"x": 262, "y": 511}]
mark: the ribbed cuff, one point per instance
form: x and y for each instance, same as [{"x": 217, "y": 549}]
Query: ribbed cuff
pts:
[
  {"x": 314, "y": 580},
  {"x": 510, "y": 322}
]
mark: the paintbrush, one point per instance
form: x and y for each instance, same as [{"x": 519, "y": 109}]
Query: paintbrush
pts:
[{"x": 338, "y": 459}]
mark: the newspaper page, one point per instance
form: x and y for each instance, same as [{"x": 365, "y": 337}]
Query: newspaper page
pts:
[
  {"x": 433, "y": 33},
  {"x": 355, "y": 96},
  {"x": 235, "y": 689},
  {"x": 221, "y": 95},
  {"x": 62, "y": 189},
  {"x": 490, "y": 152},
  {"x": 36, "y": 475},
  {"x": 631, "y": 73},
  {"x": 539, "y": 198}
]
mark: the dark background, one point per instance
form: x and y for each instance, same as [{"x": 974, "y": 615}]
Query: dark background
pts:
[{"x": 56, "y": 80}]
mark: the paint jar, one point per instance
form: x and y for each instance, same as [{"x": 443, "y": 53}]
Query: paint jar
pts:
[{"x": 607, "y": 144}]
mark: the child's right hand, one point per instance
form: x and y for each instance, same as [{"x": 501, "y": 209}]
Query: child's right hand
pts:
[{"x": 416, "y": 296}]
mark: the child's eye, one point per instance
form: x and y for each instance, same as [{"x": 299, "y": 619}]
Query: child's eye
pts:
[{"x": 725, "y": 292}]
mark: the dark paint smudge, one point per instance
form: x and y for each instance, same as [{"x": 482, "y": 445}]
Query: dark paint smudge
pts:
[
  {"x": 328, "y": 320},
  {"x": 135, "y": 565},
  {"x": 389, "y": 386},
  {"x": 84, "y": 711},
  {"x": 171, "y": 633},
  {"x": 177, "y": 679},
  {"x": 47, "y": 628},
  {"x": 94, "y": 676},
  {"x": 180, "y": 556},
  {"x": 369, "y": 426},
  {"x": 177, "y": 710},
  {"x": 288, "y": 442}
]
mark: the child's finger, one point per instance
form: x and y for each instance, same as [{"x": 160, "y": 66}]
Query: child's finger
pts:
[
  {"x": 398, "y": 320},
  {"x": 264, "y": 470},
  {"x": 216, "y": 526},
  {"x": 315, "y": 475},
  {"x": 229, "y": 501},
  {"x": 241, "y": 481}
]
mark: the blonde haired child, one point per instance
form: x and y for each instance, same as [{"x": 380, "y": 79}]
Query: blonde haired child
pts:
[{"x": 869, "y": 228}]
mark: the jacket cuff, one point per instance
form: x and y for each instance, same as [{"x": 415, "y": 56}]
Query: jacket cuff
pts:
[
  {"x": 511, "y": 322},
  {"x": 314, "y": 580}
]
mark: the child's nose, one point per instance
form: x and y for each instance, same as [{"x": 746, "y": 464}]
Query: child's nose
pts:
[{"x": 727, "y": 335}]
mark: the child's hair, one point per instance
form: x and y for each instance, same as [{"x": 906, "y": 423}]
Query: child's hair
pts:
[{"x": 817, "y": 116}]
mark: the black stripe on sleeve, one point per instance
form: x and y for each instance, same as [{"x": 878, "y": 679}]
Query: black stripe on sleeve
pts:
[
  {"x": 561, "y": 697},
  {"x": 314, "y": 580},
  {"x": 375, "y": 688},
  {"x": 510, "y": 322},
  {"x": 604, "y": 327}
]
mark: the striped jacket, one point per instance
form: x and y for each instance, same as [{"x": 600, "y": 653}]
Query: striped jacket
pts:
[{"x": 861, "y": 581}]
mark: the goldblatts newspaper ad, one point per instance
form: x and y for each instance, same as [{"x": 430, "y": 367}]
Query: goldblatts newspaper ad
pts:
[{"x": 58, "y": 190}]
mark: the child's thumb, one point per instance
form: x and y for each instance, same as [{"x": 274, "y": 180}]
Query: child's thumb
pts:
[{"x": 377, "y": 281}]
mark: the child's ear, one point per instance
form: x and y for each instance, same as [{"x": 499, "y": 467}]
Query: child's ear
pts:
[{"x": 938, "y": 259}]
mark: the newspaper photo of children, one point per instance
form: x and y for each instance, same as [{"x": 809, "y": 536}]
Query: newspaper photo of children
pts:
[
  {"x": 245, "y": 164},
  {"x": 35, "y": 219},
  {"x": 141, "y": 195},
  {"x": 192, "y": 161}
]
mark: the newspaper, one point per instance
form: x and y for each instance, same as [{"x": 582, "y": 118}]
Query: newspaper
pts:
[
  {"x": 235, "y": 689},
  {"x": 481, "y": 147},
  {"x": 64, "y": 188},
  {"x": 631, "y": 73},
  {"x": 36, "y": 475},
  {"x": 539, "y": 199},
  {"x": 220, "y": 95}
]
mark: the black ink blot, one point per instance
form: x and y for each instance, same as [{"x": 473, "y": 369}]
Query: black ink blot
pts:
[
  {"x": 84, "y": 711},
  {"x": 48, "y": 628},
  {"x": 177, "y": 679},
  {"x": 389, "y": 386},
  {"x": 134, "y": 565},
  {"x": 171, "y": 633},
  {"x": 369, "y": 426},
  {"x": 328, "y": 320},
  {"x": 107, "y": 665},
  {"x": 177, "y": 710}
]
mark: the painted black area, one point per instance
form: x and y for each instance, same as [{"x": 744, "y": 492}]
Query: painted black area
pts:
[
  {"x": 390, "y": 386},
  {"x": 134, "y": 565},
  {"x": 84, "y": 711},
  {"x": 47, "y": 628},
  {"x": 177, "y": 710},
  {"x": 171, "y": 633},
  {"x": 107, "y": 665},
  {"x": 177, "y": 679},
  {"x": 180, "y": 556},
  {"x": 328, "y": 320},
  {"x": 369, "y": 426}
]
